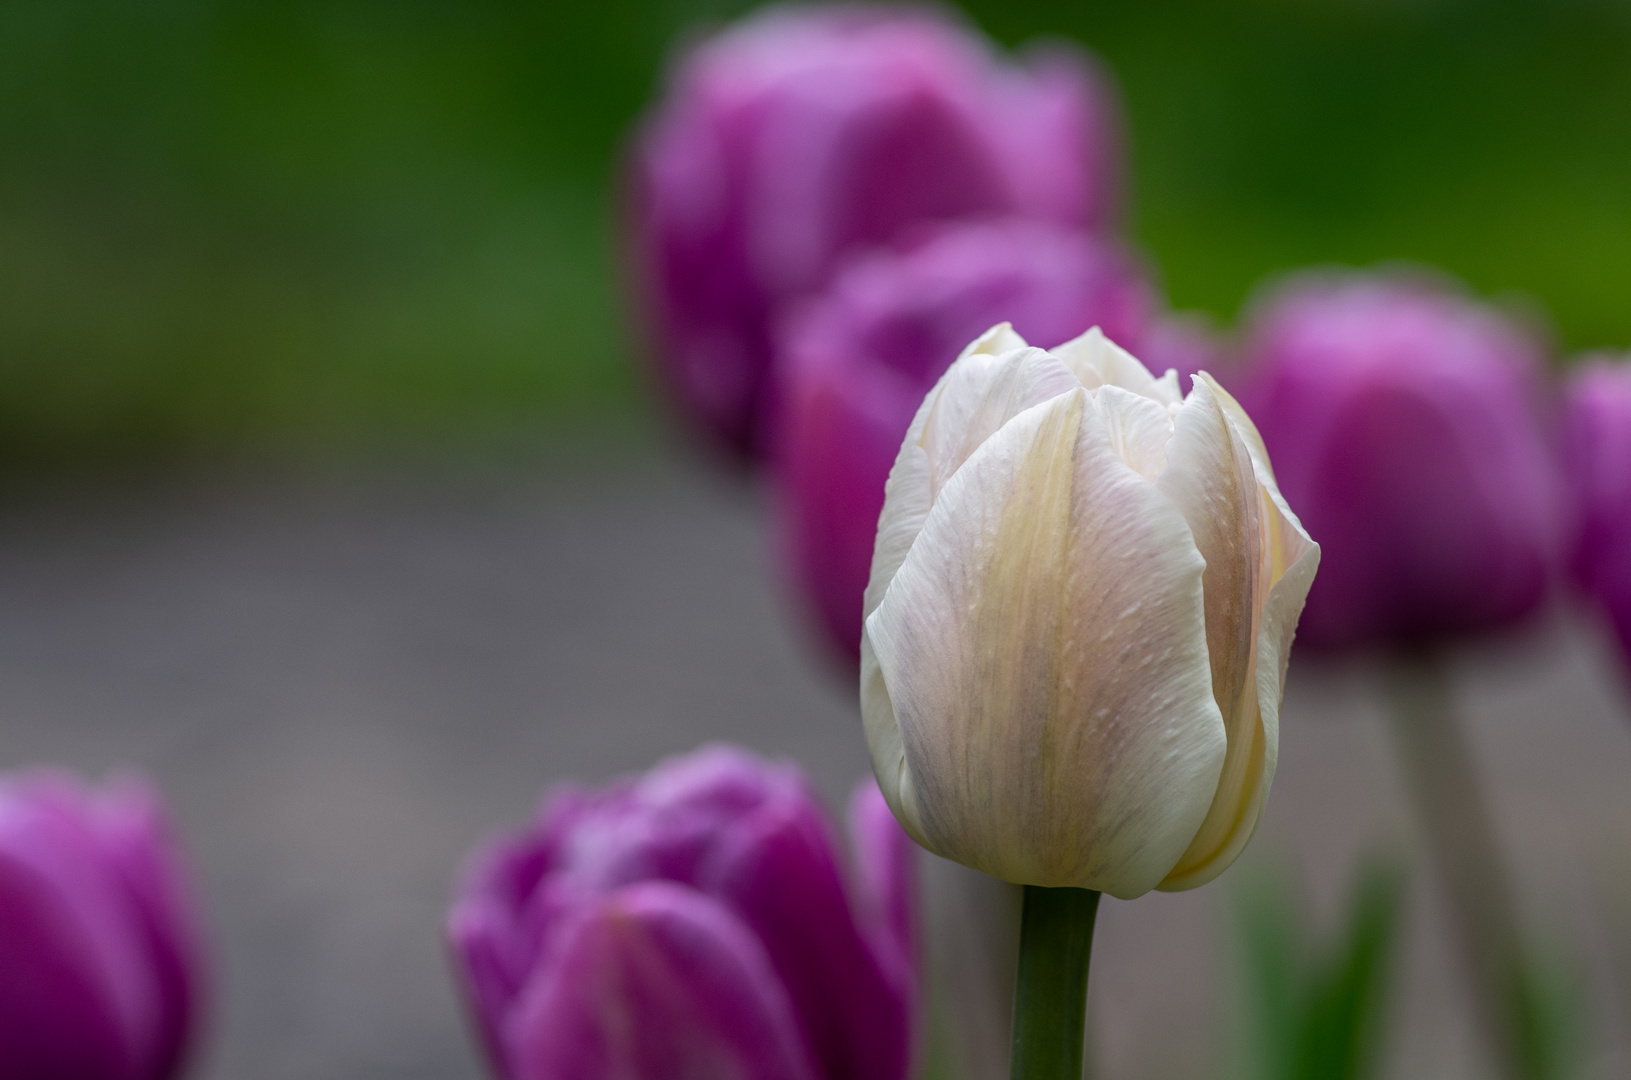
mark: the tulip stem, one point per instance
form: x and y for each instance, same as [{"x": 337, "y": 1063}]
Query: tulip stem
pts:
[
  {"x": 1443, "y": 783},
  {"x": 1050, "y": 999}
]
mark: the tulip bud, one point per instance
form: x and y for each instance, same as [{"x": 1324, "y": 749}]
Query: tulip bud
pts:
[
  {"x": 1403, "y": 418},
  {"x": 1083, "y": 596},
  {"x": 100, "y": 951},
  {"x": 805, "y": 132},
  {"x": 1597, "y": 455},
  {"x": 693, "y": 921},
  {"x": 858, "y": 362}
]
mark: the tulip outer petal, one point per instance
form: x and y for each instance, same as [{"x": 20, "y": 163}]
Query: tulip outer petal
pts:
[
  {"x": 657, "y": 982},
  {"x": 1286, "y": 561}
]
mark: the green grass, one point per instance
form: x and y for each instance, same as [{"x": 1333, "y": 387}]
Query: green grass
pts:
[{"x": 231, "y": 224}]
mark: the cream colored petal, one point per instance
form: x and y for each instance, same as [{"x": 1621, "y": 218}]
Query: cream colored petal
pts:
[
  {"x": 1298, "y": 555},
  {"x": 1210, "y": 479},
  {"x": 1290, "y": 560},
  {"x": 1097, "y": 361},
  {"x": 1168, "y": 389},
  {"x": 1287, "y": 543},
  {"x": 1254, "y": 444},
  {"x": 906, "y": 501},
  {"x": 1286, "y": 560},
  {"x": 976, "y": 396},
  {"x": 1043, "y": 652},
  {"x": 905, "y": 506},
  {"x": 883, "y": 741},
  {"x": 999, "y": 339},
  {"x": 1138, "y": 429},
  {"x": 981, "y": 392}
]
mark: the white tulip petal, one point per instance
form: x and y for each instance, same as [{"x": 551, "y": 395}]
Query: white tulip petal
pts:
[
  {"x": 1041, "y": 653},
  {"x": 1097, "y": 361},
  {"x": 982, "y": 392},
  {"x": 1211, "y": 480},
  {"x": 1168, "y": 389},
  {"x": 883, "y": 738},
  {"x": 1138, "y": 429},
  {"x": 1260, "y": 454},
  {"x": 1286, "y": 561},
  {"x": 906, "y": 502},
  {"x": 999, "y": 339},
  {"x": 981, "y": 389},
  {"x": 976, "y": 396},
  {"x": 1290, "y": 558}
]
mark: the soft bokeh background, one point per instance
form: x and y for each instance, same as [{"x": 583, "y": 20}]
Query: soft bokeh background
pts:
[
  {"x": 320, "y": 223},
  {"x": 406, "y": 536}
]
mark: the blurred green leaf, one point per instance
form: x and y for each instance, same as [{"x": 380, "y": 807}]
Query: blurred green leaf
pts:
[
  {"x": 1556, "y": 1009},
  {"x": 1317, "y": 1010}
]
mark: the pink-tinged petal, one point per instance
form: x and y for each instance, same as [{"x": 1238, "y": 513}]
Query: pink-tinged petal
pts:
[
  {"x": 1209, "y": 478},
  {"x": 1259, "y": 564},
  {"x": 777, "y": 870},
  {"x": 657, "y": 982}
]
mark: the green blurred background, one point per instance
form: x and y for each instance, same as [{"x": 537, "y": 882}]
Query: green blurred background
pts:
[{"x": 231, "y": 227}]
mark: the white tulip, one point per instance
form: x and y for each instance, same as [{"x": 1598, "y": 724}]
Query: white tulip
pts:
[{"x": 1083, "y": 595}]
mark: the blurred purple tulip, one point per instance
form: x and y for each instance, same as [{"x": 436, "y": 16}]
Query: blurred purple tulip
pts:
[
  {"x": 805, "y": 132},
  {"x": 1185, "y": 342},
  {"x": 1402, "y": 420},
  {"x": 857, "y": 363},
  {"x": 694, "y": 921},
  {"x": 1597, "y": 453},
  {"x": 101, "y": 955}
]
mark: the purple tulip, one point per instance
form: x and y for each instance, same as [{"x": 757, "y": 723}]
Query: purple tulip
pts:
[
  {"x": 1402, "y": 420},
  {"x": 1597, "y": 452},
  {"x": 101, "y": 954},
  {"x": 858, "y": 362},
  {"x": 803, "y": 133},
  {"x": 693, "y": 921}
]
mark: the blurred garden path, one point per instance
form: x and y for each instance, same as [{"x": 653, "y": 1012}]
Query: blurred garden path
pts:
[{"x": 344, "y": 680}]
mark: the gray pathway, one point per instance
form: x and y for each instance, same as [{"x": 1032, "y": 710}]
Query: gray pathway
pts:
[{"x": 343, "y": 681}]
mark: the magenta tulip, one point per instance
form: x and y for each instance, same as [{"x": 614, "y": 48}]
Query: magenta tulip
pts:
[
  {"x": 858, "y": 362},
  {"x": 1401, "y": 416},
  {"x": 803, "y": 133},
  {"x": 101, "y": 956},
  {"x": 1597, "y": 453},
  {"x": 694, "y": 921}
]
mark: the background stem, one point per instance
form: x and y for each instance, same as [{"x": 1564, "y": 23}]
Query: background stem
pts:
[
  {"x": 1443, "y": 783},
  {"x": 1050, "y": 998}
]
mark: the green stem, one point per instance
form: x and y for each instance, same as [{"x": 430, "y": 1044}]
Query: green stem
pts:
[
  {"x": 1443, "y": 783},
  {"x": 1050, "y": 1000}
]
